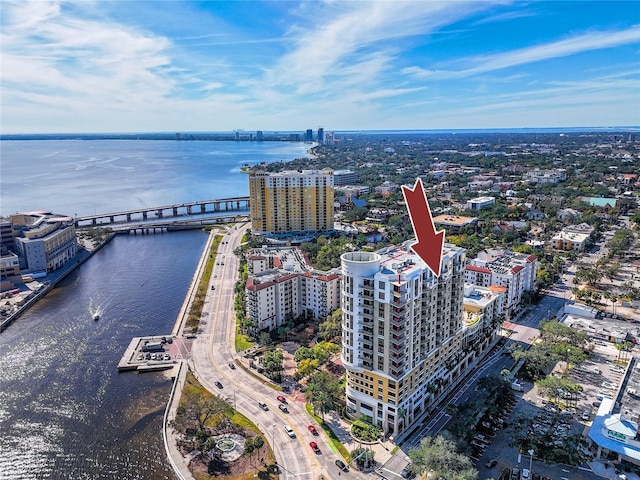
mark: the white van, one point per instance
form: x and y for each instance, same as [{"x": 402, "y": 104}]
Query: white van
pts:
[
  {"x": 517, "y": 387},
  {"x": 289, "y": 431}
]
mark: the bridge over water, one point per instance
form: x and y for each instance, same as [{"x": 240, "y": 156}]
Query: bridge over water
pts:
[{"x": 188, "y": 213}]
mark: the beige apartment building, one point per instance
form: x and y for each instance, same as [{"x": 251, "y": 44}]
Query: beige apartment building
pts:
[
  {"x": 403, "y": 338},
  {"x": 291, "y": 202}
]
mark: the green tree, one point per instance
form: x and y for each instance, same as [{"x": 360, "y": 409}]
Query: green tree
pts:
[
  {"x": 306, "y": 367},
  {"x": 439, "y": 459},
  {"x": 323, "y": 392},
  {"x": 331, "y": 328}
]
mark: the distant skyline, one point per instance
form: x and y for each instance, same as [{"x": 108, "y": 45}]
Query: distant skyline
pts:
[{"x": 148, "y": 66}]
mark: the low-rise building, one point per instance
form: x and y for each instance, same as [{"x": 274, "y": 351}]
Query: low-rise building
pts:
[
  {"x": 479, "y": 203},
  {"x": 455, "y": 223},
  {"x": 573, "y": 237},
  {"x": 614, "y": 431}
]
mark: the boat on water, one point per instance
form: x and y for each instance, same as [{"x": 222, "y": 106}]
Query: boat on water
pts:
[{"x": 96, "y": 316}]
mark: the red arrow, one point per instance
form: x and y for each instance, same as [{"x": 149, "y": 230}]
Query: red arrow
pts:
[{"x": 430, "y": 243}]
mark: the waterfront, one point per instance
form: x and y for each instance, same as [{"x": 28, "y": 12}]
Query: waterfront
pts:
[
  {"x": 102, "y": 176},
  {"x": 65, "y": 411}
]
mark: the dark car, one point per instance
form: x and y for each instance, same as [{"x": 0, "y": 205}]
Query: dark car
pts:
[
  {"x": 218, "y": 384},
  {"x": 491, "y": 463},
  {"x": 340, "y": 464},
  {"x": 281, "y": 399},
  {"x": 232, "y": 365}
]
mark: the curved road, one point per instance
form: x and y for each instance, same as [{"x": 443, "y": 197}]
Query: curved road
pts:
[{"x": 214, "y": 349}]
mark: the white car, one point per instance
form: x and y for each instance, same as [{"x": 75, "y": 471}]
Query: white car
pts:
[
  {"x": 525, "y": 474},
  {"x": 289, "y": 431}
]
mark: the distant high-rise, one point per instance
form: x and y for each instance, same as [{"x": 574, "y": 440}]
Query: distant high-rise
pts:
[
  {"x": 291, "y": 202},
  {"x": 308, "y": 136},
  {"x": 259, "y": 136},
  {"x": 320, "y": 135}
]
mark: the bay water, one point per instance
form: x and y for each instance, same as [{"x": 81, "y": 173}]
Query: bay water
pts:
[{"x": 65, "y": 411}]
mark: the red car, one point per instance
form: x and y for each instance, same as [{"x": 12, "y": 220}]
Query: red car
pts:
[
  {"x": 314, "y": 447},
  {"x": 312, "y": 429},
  {"x": 281, "y": 399}
]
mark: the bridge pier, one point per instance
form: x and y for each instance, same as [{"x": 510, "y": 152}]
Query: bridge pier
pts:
[
  {"x": 175, "y": 211},
  {"x": 159, "y": 213},
  {"x": 144, "y": 215},
  {"x": 128, "y": 217},
  {"x": 216, "y": 206},
  {"x": 94, "y": 221},
  {"x": 203, "y": 208},
  {"x": 111, "y": 218}
]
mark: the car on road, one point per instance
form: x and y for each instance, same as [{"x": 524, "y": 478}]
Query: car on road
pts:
[
  {"x": 515, "y": 474},
  {"x": 167, "y": 356},
  {"x": 341, "y": 465},
  {"x": 313, "y": 430},
  {"x": 140, "y": 357},
  {"x": 525, "y": 474},
  {"x": 263, "y": 406},
  {"x": 281, "y": 399},
  {"x": 232, "y": 365},
  {"x": 283, "y": 407},
  {"x": 218, "y": 384},
  {"x": 314, "y": 447},
  {"x": 289, "y": 431},
  {"x": 491, "y": 463}
]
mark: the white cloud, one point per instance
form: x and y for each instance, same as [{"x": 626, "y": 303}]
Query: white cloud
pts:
[{"x": 560, "y": 48}]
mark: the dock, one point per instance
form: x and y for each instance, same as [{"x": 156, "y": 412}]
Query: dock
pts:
[{"x": 130, "y": 359}]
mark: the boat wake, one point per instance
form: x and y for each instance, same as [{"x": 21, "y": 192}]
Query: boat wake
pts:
[{"x": 95, "y": 310}]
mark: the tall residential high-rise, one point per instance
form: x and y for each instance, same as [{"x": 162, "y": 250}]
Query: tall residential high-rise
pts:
[
  {"x": 403, "y": 339},
  {"x": 320, "y": 135},
  {"x": 308, "y": 136},
  {"x": 291, "y": 202}
]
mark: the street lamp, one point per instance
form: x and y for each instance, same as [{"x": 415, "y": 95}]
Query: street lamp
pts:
[{"x": 530, "y": 460}]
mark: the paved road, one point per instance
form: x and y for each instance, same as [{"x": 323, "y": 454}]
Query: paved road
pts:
[{"x": 212, "y": 352}]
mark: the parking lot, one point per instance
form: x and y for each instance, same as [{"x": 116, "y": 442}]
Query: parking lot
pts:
[{"x": 536, "y": 416}]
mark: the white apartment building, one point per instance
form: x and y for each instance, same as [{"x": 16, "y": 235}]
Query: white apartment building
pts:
[
  {"x": 481, "y": 318},
  {"x": 514, "y": 272},
  {"x": 44, "y": 241},
  {"x": 282, "y": 286},
  {"x": 402, "y": 333},
  {"x": 545, "y": 176}
]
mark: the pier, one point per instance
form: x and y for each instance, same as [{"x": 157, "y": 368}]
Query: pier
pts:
[{"x": 223, "y": 207}]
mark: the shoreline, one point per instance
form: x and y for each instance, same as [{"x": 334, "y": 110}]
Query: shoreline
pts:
[{"x": 57, "y": 277}]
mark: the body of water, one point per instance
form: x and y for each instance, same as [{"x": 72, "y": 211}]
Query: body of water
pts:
[
  {"x": 65, "y": 411},
  {"x": 86, "y": 177}
]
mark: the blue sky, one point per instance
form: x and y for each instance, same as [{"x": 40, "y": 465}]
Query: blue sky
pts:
[{"x": 144, "y": 66}]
